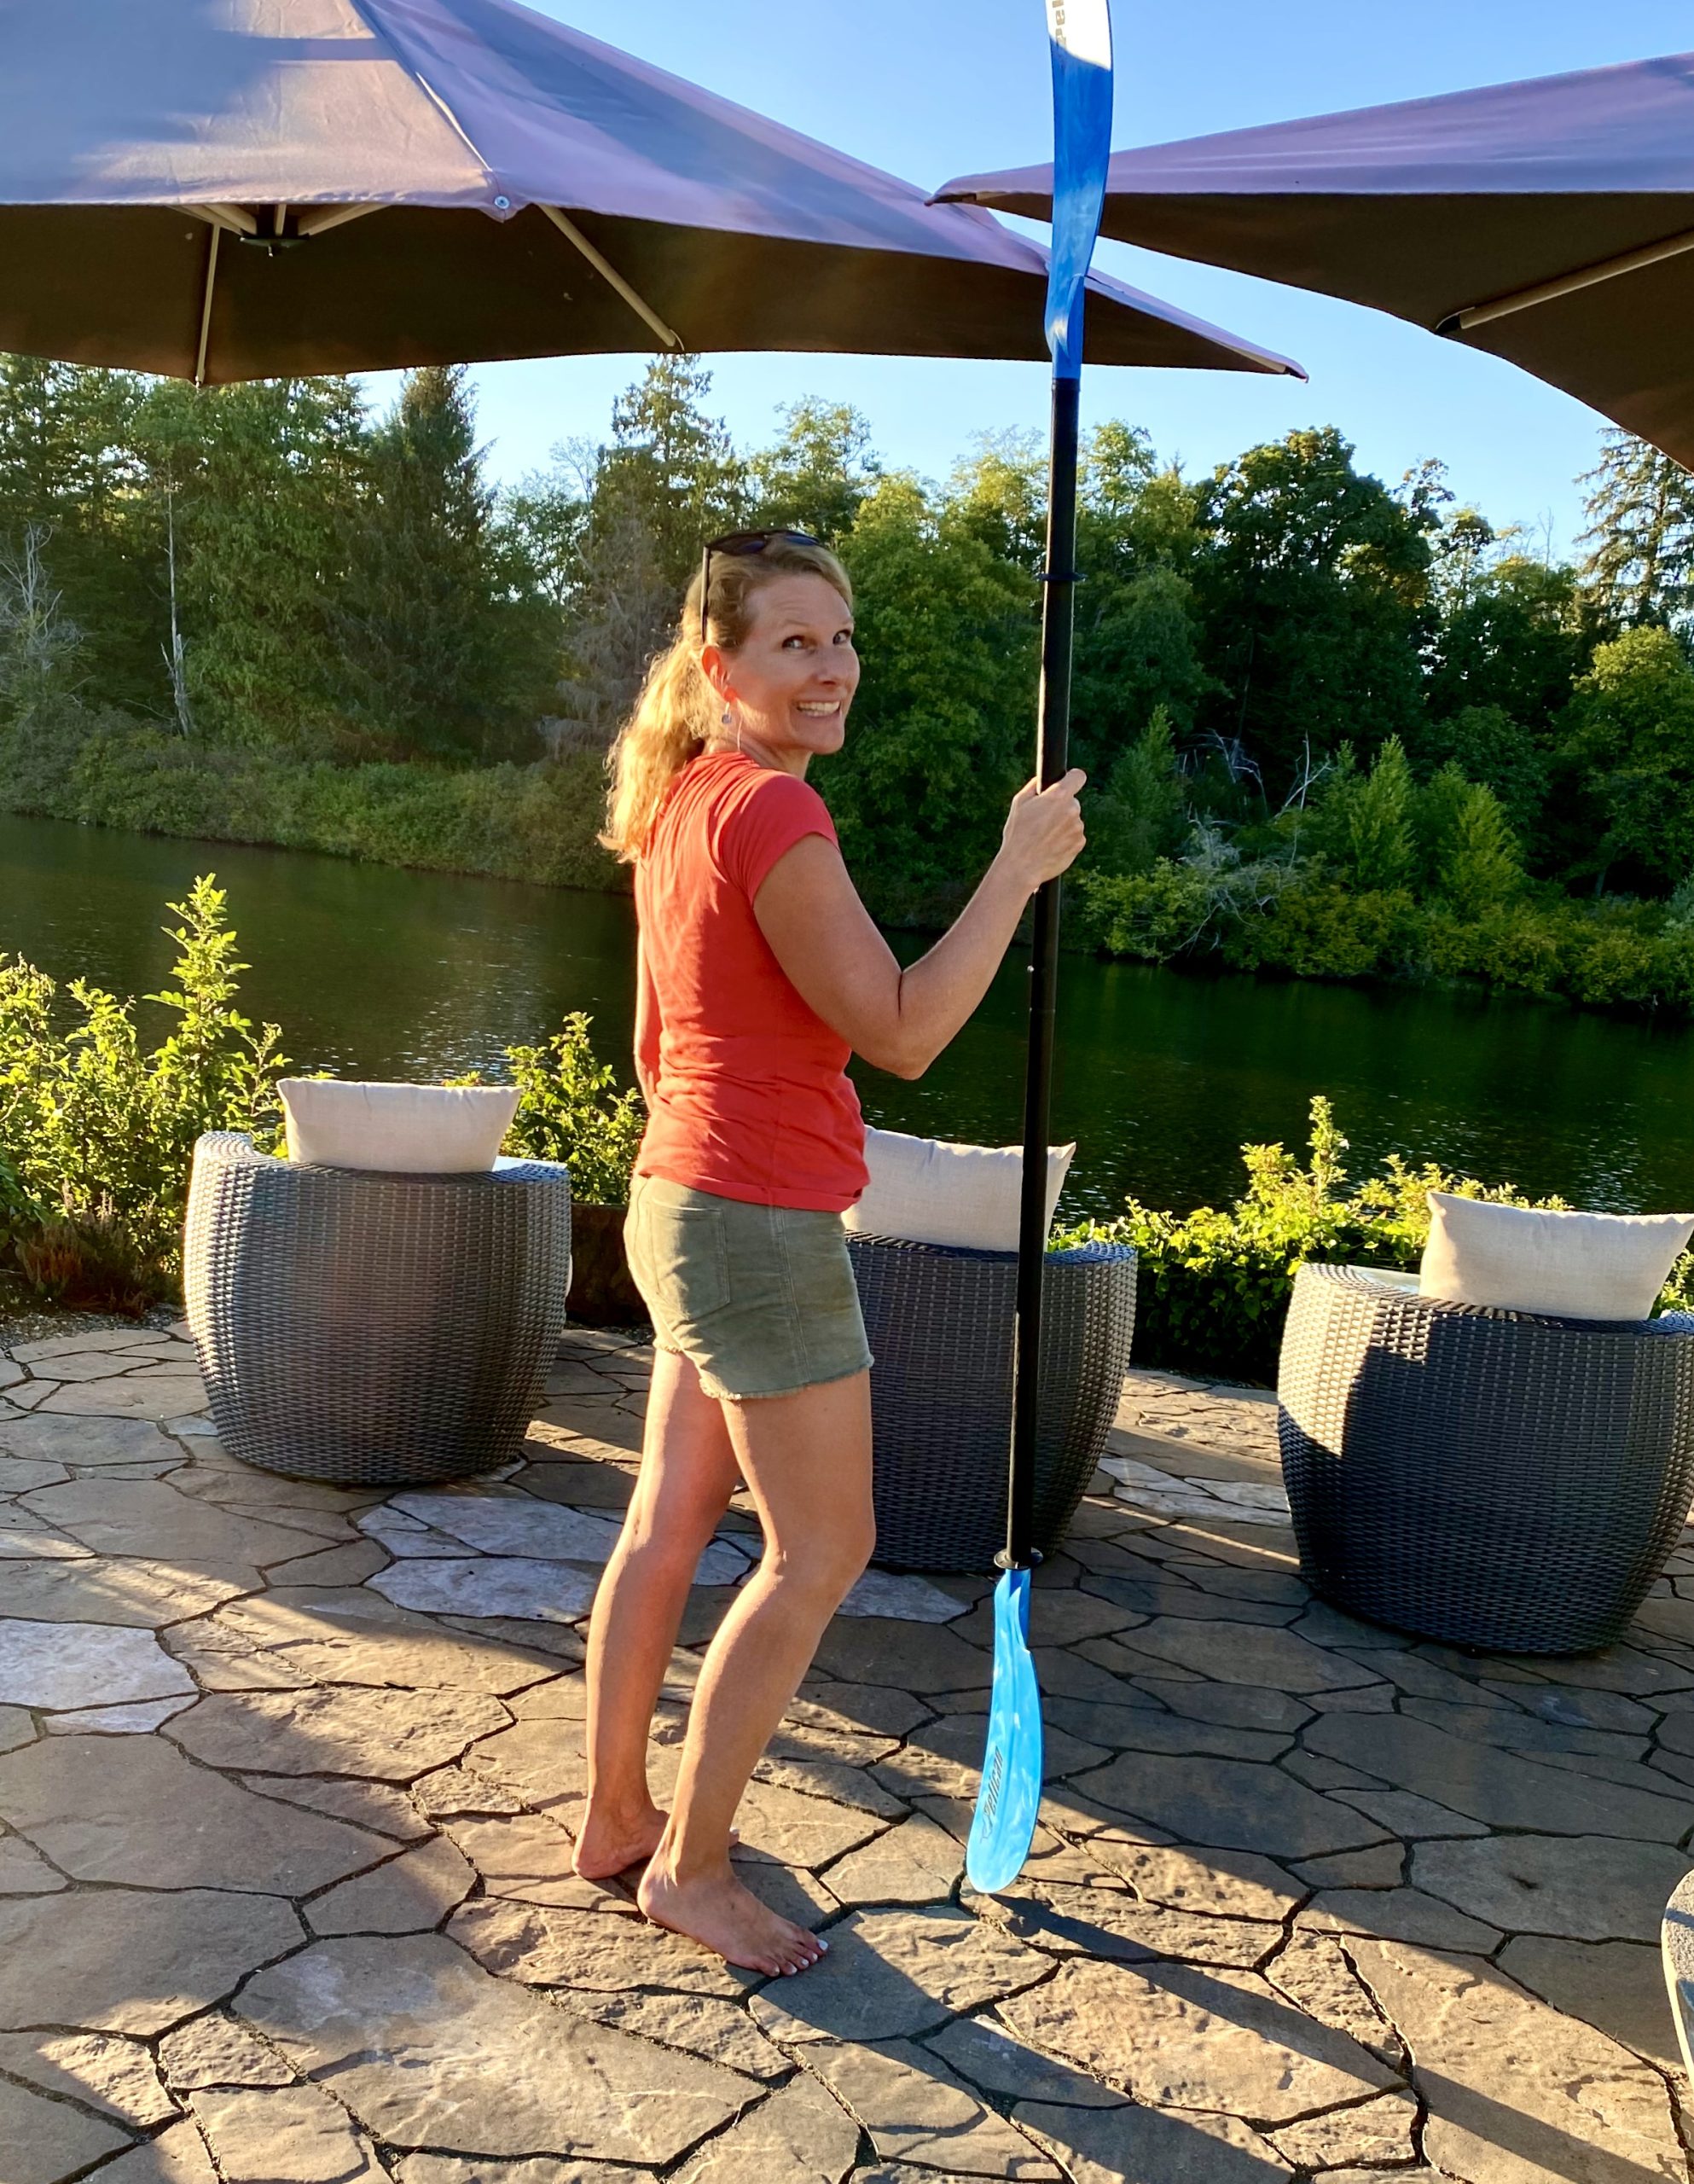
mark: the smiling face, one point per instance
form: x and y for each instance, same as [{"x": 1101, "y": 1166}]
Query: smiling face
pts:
[{"x": 789, "y": 684}]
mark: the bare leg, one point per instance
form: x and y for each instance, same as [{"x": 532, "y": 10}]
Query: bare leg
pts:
[
  {"x": 807, "y": 1458},
  {"x": 688, "y": 1471}
]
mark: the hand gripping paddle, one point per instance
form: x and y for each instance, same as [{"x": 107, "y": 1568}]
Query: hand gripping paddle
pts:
[{"x": 1004, "y": 1824}]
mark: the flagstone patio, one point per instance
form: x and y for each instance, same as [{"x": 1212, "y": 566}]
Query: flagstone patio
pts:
[{"x": 287, "y": 1775}]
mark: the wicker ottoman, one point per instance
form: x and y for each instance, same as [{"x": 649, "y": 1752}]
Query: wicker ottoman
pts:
[
  {"x": 370, "y": 1329},
  {"x": 1490, "y": 1478},
  {"x": 940, "y": 1323}
]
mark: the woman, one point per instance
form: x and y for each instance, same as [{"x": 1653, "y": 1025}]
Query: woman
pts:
[{"x": 759, "y": 972}]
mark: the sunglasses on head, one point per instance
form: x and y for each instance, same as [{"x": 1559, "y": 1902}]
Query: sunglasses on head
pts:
[{"x": 738, "y": 542}]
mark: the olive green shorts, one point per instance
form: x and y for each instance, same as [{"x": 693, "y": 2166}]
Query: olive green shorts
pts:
[{"x": 760, "y": 1299}]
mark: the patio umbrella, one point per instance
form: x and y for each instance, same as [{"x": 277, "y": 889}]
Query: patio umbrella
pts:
[
  {"x": 1549, "y": 222},
  {"x": 265, "y": 187}
]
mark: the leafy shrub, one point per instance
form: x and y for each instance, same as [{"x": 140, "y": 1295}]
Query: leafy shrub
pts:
[
  {"x": 97, "y": 1131},
  {"x": 572, "y": 1111},
  {"x": 1215, "y": 1284},
  {"x": 1316, "y": 930}
]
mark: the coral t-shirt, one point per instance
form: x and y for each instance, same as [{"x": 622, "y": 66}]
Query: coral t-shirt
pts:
[{"x": 750, "y": 1097}]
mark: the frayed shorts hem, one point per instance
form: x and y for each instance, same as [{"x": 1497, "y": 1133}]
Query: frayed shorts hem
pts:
[{"x": 719, "y": 1393}]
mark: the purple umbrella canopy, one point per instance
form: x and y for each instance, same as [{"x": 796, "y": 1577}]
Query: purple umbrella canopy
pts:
[
  {"x": 228, "y": 189},
  {"x": 1549, "y": 222}
]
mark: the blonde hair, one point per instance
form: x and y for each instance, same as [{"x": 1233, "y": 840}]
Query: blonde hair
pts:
[{"x": 678, "y": 709}]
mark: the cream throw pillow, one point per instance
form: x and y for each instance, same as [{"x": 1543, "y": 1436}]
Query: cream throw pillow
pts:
[
  {"x": 403, "y": 1129},
  {"x": 1577, "y": 1266},
  {"x": 931, "y": 1192}
]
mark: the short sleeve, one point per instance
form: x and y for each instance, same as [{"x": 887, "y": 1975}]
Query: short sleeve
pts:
[{"x": 777, "y": 812}]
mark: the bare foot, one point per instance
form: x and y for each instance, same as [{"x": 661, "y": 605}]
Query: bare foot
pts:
[
  {"x": 610, "y": 1844},
  {"x": 717, "y": 1912}
]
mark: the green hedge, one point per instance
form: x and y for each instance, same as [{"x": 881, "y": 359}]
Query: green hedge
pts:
[
  {"x": 1215, "y": 1284},
  {"x": 533, "y": 822}
]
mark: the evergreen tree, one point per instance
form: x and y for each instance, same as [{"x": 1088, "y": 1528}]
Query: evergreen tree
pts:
[
  {"x": 69, "y": 479},
  {"x": 1471, "y": 857},
  {"x": 1364, "y": 824},
  {"x": 1640, "y": 534},
  {"x": 443, "y": 652},
  {"x": 671, "y": 467},
  {"x": 260, "y": 484},
  {"x": 1142, "y": 814}
]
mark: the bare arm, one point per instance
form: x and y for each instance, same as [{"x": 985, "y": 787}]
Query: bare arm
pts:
[
  {"x": 822, "y": 934},
  {"x": 647, "y": 1026}
]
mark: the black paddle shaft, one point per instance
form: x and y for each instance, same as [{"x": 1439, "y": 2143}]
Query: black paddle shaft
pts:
[{"x": 1052, "y": 742}]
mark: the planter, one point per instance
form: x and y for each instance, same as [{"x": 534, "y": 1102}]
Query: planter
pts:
[{"x": 602, "y": 1295}]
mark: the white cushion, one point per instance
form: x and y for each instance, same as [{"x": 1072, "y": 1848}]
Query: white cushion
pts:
[
  {"x": 1577, "y": 1266},
  {"x": 930, "y": 1192},
  {"x": 406, "y": 1130}
]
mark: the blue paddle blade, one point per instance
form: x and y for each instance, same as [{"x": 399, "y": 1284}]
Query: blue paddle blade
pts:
[{"x": 1010, "y": 1796}]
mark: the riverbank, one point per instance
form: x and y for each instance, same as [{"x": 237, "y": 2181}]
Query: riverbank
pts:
[{"x": 536, "y": 822}]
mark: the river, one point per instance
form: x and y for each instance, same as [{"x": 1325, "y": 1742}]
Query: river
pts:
[{"x": 1160, "y": 1076}]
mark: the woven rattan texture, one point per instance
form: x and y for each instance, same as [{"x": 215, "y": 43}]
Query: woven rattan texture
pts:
[
  {"x": 1490, "y": 1478},
  {"x": 940, "y": 1323},
  {"x": 373, "y": 1329}
]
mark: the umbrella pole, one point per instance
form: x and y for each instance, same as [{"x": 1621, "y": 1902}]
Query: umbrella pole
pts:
[{"x": 1053, "y": 738}]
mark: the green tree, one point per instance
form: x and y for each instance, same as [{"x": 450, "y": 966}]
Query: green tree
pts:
[
  {"x": 1314, "y": 595},
  {"x": 1625, "y": 765},
  {"x": 1516, "y": 640},
  {"x": 1488, "y": 747},
  {"x": 942, "y": 731},
  {"x": 815, "y": 474},
  {"x": 444, "y": 651},
  {"x": 1138, "y": 633},
  {"x": 997, "y": 494},
  {"x": 545, "y": 517},
  {"x": 1640, "y": 534}
]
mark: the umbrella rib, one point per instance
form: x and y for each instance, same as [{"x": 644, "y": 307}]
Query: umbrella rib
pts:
[
  {"x": 333, "y": 215},
  {"x": 205, "y": 307},
  {"x": 637, "y": 303},
  {"x": 232, "y": 216},
  {"x": 1568, "y": 284}
]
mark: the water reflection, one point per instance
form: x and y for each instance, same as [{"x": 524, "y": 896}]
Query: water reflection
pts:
[{"x": 1160, "y": 1077}]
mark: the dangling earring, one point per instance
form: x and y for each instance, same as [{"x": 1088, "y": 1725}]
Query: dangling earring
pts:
[{"x": 728, "y": 716}]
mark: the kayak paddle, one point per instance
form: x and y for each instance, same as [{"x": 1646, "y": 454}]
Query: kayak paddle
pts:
[{"x": 1004, "y": 1823}]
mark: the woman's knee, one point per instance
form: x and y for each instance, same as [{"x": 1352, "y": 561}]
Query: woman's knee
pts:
[
  {"x": 827, "y": 1565},
  {"x": 670, "y": 1534}
]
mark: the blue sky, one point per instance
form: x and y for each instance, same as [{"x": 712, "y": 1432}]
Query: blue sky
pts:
[{"x": 929, "y": 89}]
